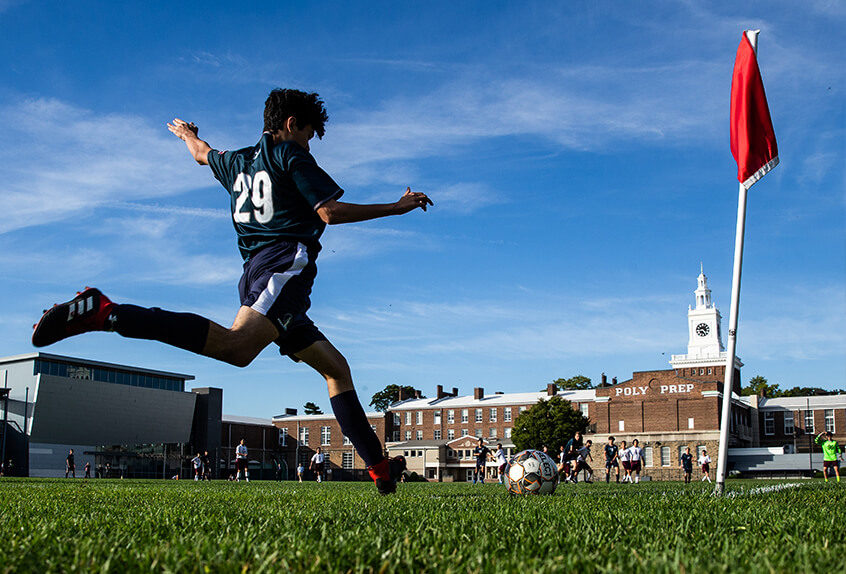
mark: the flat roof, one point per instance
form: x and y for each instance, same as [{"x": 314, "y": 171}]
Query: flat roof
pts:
[
  {"x": 246, "y": 420},
  {"x": 320, "y": 417},
  {"x": 494, "y": 400},
  {"x": 88, "y": 362},
  {"x": 802, "y": 403}
]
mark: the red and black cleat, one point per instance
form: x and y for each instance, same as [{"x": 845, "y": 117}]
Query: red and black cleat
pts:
[
  {"x": 86, "y": 312},
  {"x": 387, "y": 473}
]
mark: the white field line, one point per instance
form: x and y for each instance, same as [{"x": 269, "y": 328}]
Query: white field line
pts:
[{"x": 763, "y": 489}]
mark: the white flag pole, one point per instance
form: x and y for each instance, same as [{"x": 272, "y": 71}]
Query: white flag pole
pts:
[
  {"x": 728, "y": 384},
  {"x": 732, "y": 339}
]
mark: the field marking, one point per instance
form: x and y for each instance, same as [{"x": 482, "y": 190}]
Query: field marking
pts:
[{"x": 764, "y": 489}]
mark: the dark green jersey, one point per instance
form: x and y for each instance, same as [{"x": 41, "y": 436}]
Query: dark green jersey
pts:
[{"x": 274, "y": 191}]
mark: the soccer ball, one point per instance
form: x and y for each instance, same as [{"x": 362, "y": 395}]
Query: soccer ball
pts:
[{"x": 531, "y": 472}]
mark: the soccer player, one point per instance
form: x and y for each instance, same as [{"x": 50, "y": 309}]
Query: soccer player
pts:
[
  {"x": 572, "y": 449},
  {"x": 70, "y": 467},
  {"x": 625, "y": 458},
  {"x": 281, "y": 202},
  {"x": 611, "y": 459},
  {"x": 300, "y": 472},
  {"x": 830, "y": 450},
  {"x": 87, "y": 470},
  {"x": 582, "y": 464},
  {"x": 241, "y": 463},
  {"x": 686, "y": 463},
  {"x": 635, "y": 457},
  {"x": 481, "y": 453},
  {"x": 197, "y": 461},
  {"x": 316, "y": 464},
  {"x": 705, "y": 464},
  {"x": 206, "y": 465},
  {"x": 501, "y": 462}
]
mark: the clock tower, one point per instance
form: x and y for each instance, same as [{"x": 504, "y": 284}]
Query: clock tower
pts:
[{"x": 705, "y": 340}]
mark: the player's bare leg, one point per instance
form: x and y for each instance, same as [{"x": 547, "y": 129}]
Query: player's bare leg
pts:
[{"x": 324, "y": 358}]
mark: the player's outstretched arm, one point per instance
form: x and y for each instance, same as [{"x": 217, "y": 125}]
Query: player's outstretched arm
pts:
[
  {"x": 187, "y": 132},
  {"x": 334, "y": 212}
]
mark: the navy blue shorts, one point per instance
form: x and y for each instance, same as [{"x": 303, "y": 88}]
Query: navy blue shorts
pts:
[{"x": 277, "y": 283}]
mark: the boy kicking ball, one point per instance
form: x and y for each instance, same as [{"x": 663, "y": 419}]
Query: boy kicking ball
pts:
[{"x": 281, "y": 202}]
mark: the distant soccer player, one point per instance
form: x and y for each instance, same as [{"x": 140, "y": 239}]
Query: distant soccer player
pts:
[
  {"x": 241, "y": 462},
  {"x": 501, "y": 462},
  {"x": 831, "y": 450},
  {"x": 481, "y": 453},
  {"x": 70, "y": 466},
  {"x": 686, "y": 464},
  {"x": 611, "y": 459},
  {"x": 625, "y": 458},
  {"x": 635, "y": 458},
  {"x": 281, "y": 202},
  {"x": 87, "y": 470},
  {"x": 197, "y": 461},
  {"x": 572, "y": 451},
  {"x": 300, "y": 472},
  {"x": 206, "y": 465},
  {"x": 582, "y": 457},
  {"x": 705, "y": 465},
  {"x": 317, "y": 463}
]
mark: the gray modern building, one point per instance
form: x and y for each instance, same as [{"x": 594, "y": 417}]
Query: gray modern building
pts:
[{"x": 124, "y": 421}]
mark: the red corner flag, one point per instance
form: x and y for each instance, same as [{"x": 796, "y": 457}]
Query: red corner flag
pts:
[{"x": 753, "y": 142}]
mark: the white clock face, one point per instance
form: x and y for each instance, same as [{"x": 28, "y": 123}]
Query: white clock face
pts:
[{"x": 702, "y": 329}]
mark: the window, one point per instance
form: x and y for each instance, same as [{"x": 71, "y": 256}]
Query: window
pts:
[
  {"x": 522, "y": 409},
  {"x": 437, "y": 434},
  {"x": 397, "y": 420},
  {"x": 420, "y": 417},
  {"x": 647, "y": 456},
  {"x": 809, "y": 422},
  {"x": 465, "y": 415},
  {"x": 408, "y": 435},
  {"x": 347, "y": 441},
  {"x": 690, "y": 423},
  {"x": 508, "y": 433},
  {"x": 829, "y": 420},
  {"x": 478, "y": 433},
  {"x": 493, "y": 415},
  {"x": 507, "y": 414},
  {"x": 464, "y": 432},
  {"x": 450, "y": 417},
  {"x": 492, "y": 433},
  {"x": 304, "y": 436},
  {"x": 621, "y": 425},
  {"x": 450, "y": 434},
  {"x": 420, "y": 435},
  {"x": 408, "y": 418},
  {"x": 788, "y": 424},
  {"x": 347, "y": 460},
  {"x": 584, "y": 408},
  {"x": 478, "y": 415},
  {"x": 325, "y": 435},
  {"x": 709, "y": 370},
  {"x": 283, "y": 436},
  {"x": 665, "y": 456},
  {"x": 701, "y": 371},
  {"x": 437, "y": 417},
  {"x": 396, "y": 436},
  {"x": 769, "y": 422}
]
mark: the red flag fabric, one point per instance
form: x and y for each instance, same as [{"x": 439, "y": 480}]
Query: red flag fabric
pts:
[{"x": 753, "y": 142}]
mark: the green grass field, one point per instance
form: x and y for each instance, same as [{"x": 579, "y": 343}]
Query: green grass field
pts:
[{"x": 157, "y": 526}]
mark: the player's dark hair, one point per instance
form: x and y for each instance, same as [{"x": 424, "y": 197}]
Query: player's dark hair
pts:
[{"x": 306, "y": 108}]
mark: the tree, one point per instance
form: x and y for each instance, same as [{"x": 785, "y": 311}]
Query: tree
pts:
[
  {"x": 390, "y": 394},
  {"x": 312, "y": 409},
  {"x": 758, "y": 385},
  {"x": 577, "y": 383},
  {"x": 810, "y": 391},
  {"x": 551, "y": 423}
]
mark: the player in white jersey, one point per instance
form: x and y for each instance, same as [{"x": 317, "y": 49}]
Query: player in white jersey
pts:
[
  {"x": 317, "y": 463},
  {"x": 197, "y": 461},
  {"x": 705, "y": 463},
  {"x": 241, "y": 462},
  {"x": 635, "y": 457},
  {"x": 625, "y": 458},
  {"x": 501, "y": 462}
]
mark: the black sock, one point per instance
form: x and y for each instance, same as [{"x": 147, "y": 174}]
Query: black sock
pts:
[
  {"x": 356, "y": 427},
  {"x": 184, "y": 330}
]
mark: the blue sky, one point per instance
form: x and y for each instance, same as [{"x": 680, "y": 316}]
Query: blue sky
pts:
[{"x": 577, "y": 154}]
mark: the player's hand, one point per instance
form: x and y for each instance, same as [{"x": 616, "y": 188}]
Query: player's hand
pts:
[
  {"x": 412, "y": 200},
  {"x": 182, "y": 129}
]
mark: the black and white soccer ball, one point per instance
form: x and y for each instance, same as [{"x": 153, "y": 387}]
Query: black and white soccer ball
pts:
[{"x": 531, "y": 472}]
